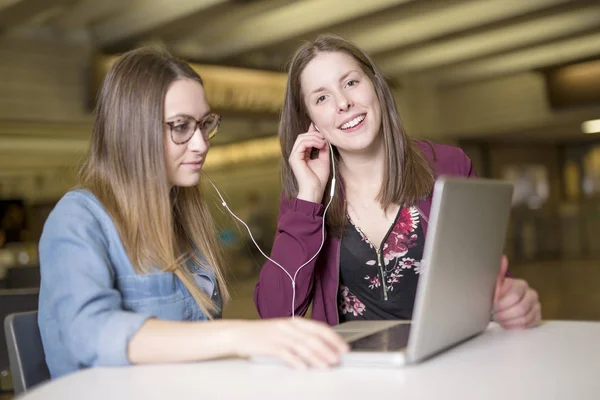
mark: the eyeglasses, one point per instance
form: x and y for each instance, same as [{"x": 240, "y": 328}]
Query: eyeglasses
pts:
[{"x": 184, "y": 128}]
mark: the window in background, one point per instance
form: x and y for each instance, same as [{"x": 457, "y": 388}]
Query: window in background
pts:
[
  {"x": 591, "y": 172},
  {"x": 532, "y": 187}
]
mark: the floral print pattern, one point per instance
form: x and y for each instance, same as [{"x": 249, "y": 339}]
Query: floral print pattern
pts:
[
  {"x": 401, "y": 237},
  {"x": 399, "y": 262},
  {"x": 349, "y": 303},
  {"x": 374, "y": 282},
  {"x": 408, "y": 263},
  {"x": 399, "y": 241}
]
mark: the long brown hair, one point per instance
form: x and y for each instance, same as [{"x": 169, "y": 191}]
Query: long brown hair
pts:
[
  {"x": 125, "y": 169},
  {"x": 408, "y": 177}
]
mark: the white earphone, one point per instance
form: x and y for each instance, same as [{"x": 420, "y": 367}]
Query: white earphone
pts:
[{"x": 293, "y": 278}]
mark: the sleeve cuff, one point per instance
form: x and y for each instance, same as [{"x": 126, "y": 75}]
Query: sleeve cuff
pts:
[
  {"x": 115, "y": 336},
  {"x": 306, "y": 207}
]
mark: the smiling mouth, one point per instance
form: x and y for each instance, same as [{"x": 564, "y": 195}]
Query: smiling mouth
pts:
[
  {"x": 353, "y": 123},
  {"x": 193, "y": 164}
]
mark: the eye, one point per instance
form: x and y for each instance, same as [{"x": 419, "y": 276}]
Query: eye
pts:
[
  {"x": 181, "y": 127},
  {"x": 320, "y": 98},
  {"x": 207, "y": 122},
  {"x": 352, "y": 83}
]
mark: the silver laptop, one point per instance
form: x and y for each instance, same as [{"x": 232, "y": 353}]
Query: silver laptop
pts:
[{"x": 461, "y": 260}]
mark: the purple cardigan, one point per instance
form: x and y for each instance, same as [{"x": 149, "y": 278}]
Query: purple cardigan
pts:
[{"x": 299, "y": 236}]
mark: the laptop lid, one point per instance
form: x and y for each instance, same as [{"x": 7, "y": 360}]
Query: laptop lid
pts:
[{"x": 461, "y": 261}]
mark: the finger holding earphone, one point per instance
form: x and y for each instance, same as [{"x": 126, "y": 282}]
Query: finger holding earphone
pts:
[{"x": 311, "y": 174}]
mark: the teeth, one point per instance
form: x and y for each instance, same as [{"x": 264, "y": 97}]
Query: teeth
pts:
[{"x": 354, "y": 122}]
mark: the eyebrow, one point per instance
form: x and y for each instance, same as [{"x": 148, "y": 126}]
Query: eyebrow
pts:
[
  {"x": 341, "y": 79},
  {"x": 183, "y": 115}
]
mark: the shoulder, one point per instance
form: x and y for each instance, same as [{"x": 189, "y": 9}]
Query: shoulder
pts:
[
  {"x": 446, "y": 159},
  {"x": 79, "y": 203},
  {"x": 78, "y": 213}
]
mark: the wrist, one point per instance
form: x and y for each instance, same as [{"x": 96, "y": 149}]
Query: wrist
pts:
[
  {"x": 313, "y": 196},
  {"x": 231, "y": 339}
]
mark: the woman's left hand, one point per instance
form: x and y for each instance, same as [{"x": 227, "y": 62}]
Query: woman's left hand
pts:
[{"x": 516, "y": 305}]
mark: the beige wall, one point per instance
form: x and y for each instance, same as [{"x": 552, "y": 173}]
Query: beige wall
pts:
[
  {"x": 504, "y": 105},
  {"x": 43, "y": 82}
]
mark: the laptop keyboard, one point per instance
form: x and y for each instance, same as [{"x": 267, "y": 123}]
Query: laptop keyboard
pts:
[{"x": 394, "y": 338}]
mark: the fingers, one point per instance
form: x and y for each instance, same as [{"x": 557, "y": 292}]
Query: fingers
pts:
[
  {"x": 311, "y": 174},
  {"x": 324, "y": 152},
  {"x": 311, "y": 351},
  {"x": 304, "y": 144},
  {"x": 511, "y": 293},
  {"x": 517, "y": 305},
  {"x": 504, "y": 265},
  {"x": 303, "y": 343},
  {"x": 519, "y": 309},
  {"x": 530, "y": 319},
  {"x": 325, "y": 333},
  {"x": 317, "y": 344},
  {"x": 501, "y": 277},
  {"x": 537, "y": 320}
]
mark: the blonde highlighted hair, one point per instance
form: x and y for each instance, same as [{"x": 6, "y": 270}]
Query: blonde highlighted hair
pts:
[{"x": 160, "y": 227}]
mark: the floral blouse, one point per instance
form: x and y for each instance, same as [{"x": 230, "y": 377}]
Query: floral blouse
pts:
[{"x": 381, "y": 283}]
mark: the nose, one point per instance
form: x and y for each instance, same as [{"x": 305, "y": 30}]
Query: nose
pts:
[
  {"x": 343, "y": 103},
  {"x": 198, "y": 143}
]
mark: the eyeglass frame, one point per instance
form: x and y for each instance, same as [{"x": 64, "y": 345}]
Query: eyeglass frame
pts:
[{"x": 170, "y": 124}]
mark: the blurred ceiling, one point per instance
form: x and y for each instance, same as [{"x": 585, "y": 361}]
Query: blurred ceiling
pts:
[{"x": 445, "y": 41}]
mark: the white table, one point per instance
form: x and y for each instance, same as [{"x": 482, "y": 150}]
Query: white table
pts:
[{"x": 558, "y": 360}]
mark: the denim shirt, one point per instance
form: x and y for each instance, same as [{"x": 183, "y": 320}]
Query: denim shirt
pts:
[{"x": 92, "y": 301}]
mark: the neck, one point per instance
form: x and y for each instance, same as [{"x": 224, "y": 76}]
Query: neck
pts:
[{"x": 363, "y": 171}]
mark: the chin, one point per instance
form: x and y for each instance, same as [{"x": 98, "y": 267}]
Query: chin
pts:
[
  {"x": 188, "y": 181},
  {"x": 362, "y": 143}
]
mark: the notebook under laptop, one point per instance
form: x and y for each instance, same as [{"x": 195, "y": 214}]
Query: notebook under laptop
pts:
[{"x": 461, "y": 259}]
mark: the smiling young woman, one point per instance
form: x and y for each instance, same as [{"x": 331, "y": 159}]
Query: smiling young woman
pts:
[{"x": 377, "y": 221}]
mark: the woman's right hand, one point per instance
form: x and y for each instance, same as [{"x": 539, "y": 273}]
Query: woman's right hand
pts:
[
  {"x": 311, "y": 175},
  {"x": 298, "y": 342}
]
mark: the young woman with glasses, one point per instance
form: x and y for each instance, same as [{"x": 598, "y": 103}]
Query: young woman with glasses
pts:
[{"x": 131, "y": 269}]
